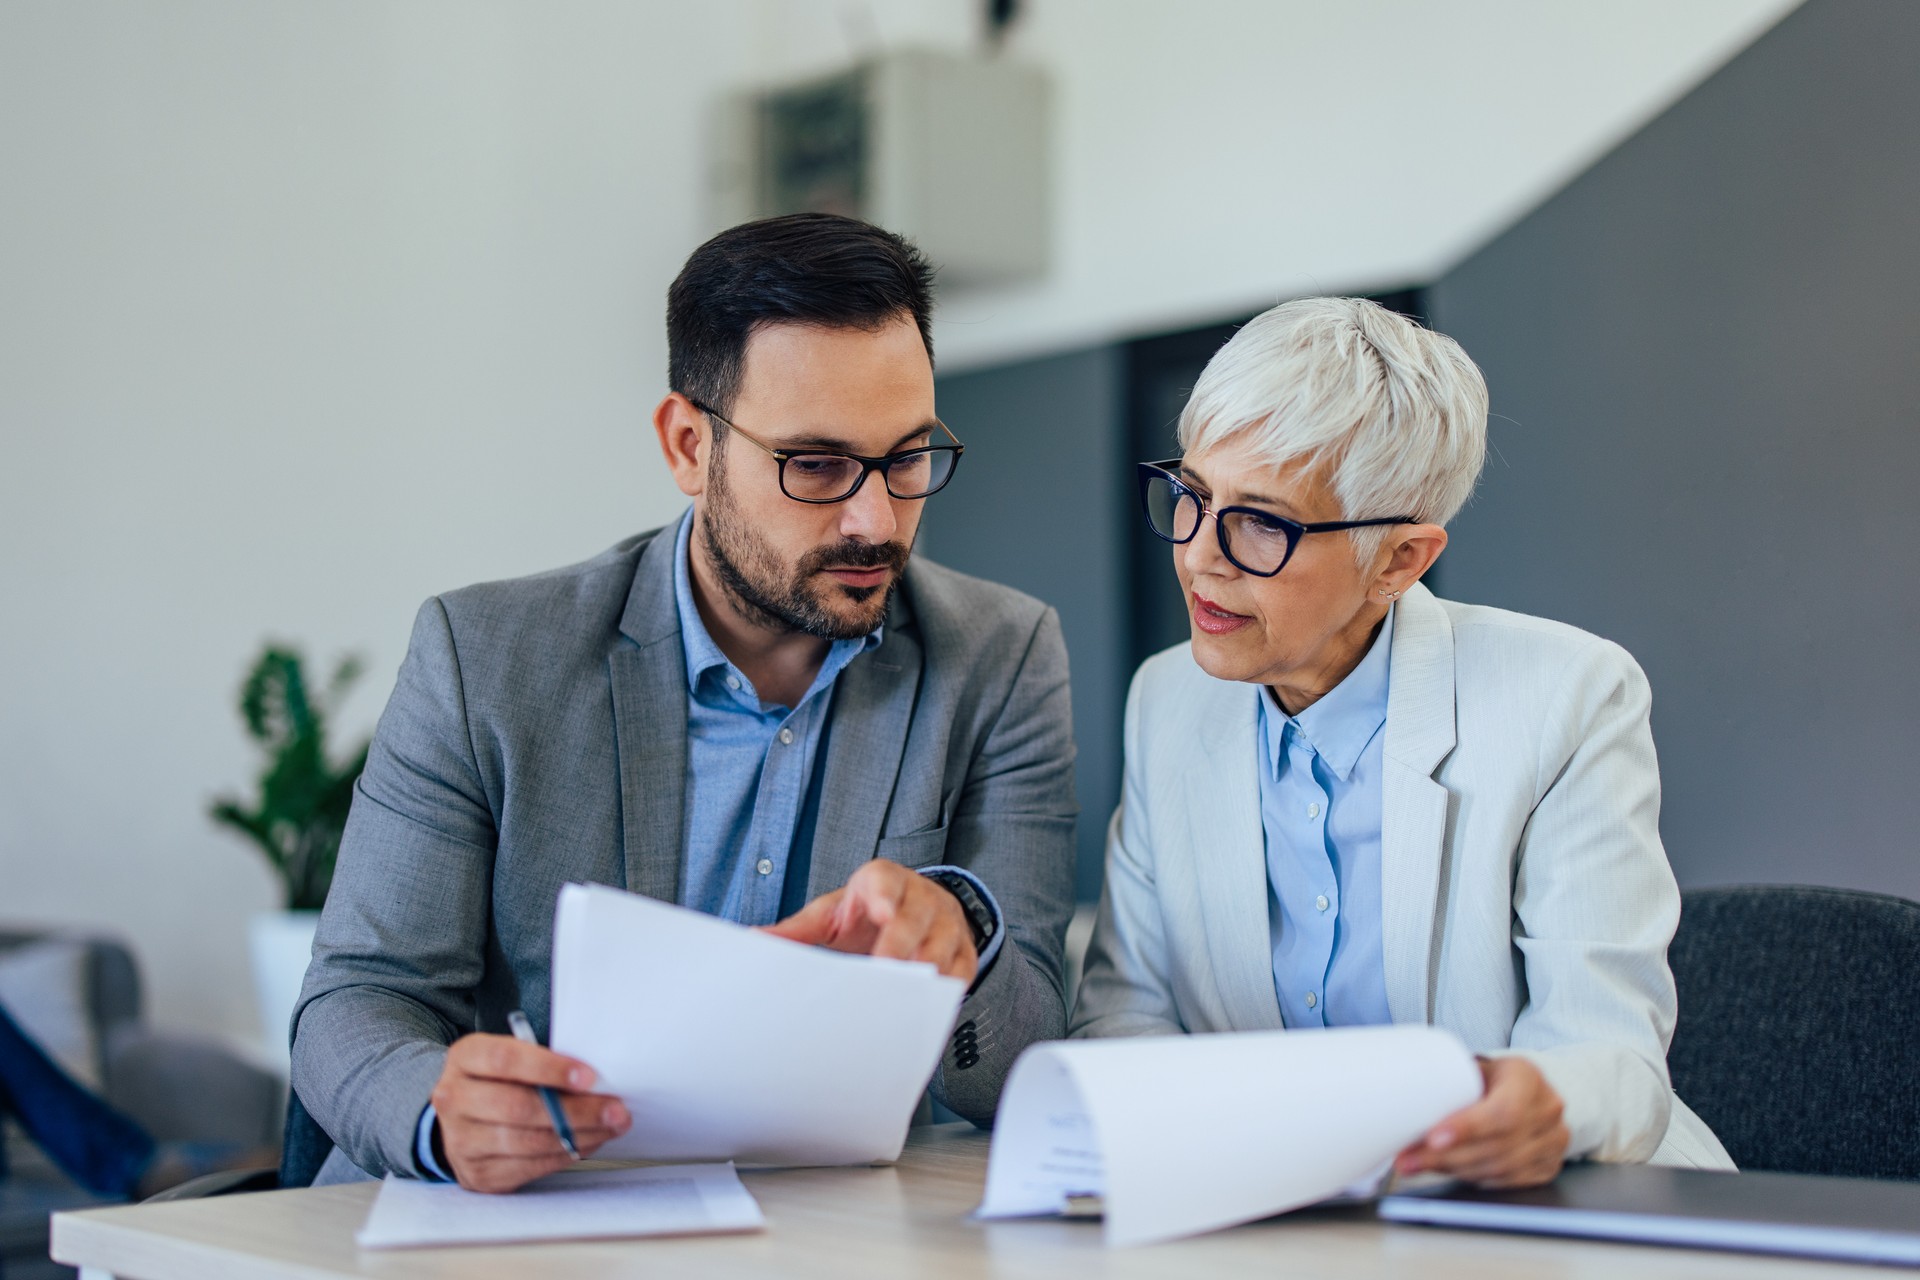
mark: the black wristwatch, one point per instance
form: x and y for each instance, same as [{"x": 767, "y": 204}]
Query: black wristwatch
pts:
[{"x": 979, "y": 915}]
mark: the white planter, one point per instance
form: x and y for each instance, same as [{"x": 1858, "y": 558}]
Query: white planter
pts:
[{"x": 282, "y": 943}]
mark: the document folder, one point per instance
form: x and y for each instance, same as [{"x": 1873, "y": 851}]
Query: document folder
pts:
[{"x": 1854, "y": 1219}]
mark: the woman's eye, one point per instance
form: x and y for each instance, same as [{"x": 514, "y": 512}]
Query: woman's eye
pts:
[{"x": 1263, "y": 527}]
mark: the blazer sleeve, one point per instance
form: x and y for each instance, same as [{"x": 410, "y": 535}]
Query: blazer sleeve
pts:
[
  {"x": 1013, "y": 827},
  {"x": 1595, "y": 905},
  {"x": 401, "y": 942},
  {"x": 1125, "y": 989}
]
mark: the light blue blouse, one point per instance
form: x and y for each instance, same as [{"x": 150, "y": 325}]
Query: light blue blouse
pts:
[{"x": 1320, "y": 803}]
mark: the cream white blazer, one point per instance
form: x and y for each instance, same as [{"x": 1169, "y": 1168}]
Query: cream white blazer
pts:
[{"x": 1528, "y": 902}]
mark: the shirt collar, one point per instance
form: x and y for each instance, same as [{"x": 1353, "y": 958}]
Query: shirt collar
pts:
[
  {"x": 1345, "y": 719},
  {"x": 703, "y": 655}
]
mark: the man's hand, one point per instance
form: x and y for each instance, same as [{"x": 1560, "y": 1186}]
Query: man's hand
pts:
[
  {"x": 494, "y": 1128},
  {"x": 1512, "y": 1137},
  {"x": 887, "y": 910}
]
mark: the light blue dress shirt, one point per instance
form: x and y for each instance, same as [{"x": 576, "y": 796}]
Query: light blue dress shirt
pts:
[
  {"x": 749, "y": 770},
  {"x": 1320, "y": 804},
  {"x": 752, "y": 797}
]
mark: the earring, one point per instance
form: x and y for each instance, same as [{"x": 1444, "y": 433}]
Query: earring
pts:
[{"x": 1391, "y": 595}]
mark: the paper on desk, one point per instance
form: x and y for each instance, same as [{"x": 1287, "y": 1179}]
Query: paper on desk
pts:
[
  {"x": 583, "y": 1205},
  {"x": 1183, "y": 1134},
  {"x": 730, "y": 1044}
]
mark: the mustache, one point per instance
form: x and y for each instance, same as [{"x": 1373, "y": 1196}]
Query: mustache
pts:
[{"x": 854, "y": 555}]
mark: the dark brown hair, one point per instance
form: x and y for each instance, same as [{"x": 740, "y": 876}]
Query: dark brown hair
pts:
[{"x": 804, "y": 268}]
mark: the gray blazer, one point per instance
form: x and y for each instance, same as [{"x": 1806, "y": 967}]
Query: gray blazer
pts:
[{"x": 537, "y": 736}]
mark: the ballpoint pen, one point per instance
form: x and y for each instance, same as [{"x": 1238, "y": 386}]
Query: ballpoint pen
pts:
[{"x": 523, "y": 1030}]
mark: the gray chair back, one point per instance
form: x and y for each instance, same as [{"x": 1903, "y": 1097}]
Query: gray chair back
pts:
[
  {"x": 113, "y": 986},
  {"x": 1798, "y": 1039}
]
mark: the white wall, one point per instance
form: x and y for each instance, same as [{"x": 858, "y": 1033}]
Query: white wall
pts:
[{"x": 308, "y": 311}]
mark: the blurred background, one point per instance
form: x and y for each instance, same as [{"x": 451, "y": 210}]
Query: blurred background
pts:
[{"x": 308, "y": 311}]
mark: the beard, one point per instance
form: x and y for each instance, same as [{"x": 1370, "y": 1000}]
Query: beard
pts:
[{"x": 803, "y": 598}]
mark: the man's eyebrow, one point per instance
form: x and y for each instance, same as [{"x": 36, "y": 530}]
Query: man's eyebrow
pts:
[{"x": 833, "y": 444}]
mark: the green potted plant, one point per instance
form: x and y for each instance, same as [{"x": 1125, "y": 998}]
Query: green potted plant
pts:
[{"x": 295, "y": 819}]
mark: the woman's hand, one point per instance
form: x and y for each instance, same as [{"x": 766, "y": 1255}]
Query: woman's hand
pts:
[{"x": 1512, "y": 1137}]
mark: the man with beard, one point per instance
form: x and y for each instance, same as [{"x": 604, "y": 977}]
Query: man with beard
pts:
[{"x": 764, "y": 711}]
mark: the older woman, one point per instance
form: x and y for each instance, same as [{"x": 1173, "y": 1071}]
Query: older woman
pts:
[{"x": 1349, "y": 802}]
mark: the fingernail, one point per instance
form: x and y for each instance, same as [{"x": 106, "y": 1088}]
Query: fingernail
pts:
[
  {"x": 1441, "y": 1139},
  {"x": 580, "y": 1078},
  {"x": 1407, "y": 1166},
  {"x": 615, "y": 1117}
]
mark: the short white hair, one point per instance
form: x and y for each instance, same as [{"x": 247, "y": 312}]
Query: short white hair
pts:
[{"x": 1393, "y": 414}]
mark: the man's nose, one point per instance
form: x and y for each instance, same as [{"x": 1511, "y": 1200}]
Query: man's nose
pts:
[{"x": 868, "y": 515}]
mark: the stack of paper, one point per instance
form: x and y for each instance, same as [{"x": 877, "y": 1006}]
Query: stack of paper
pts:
[
  {"x": 1183, "y": 1134},
  {"x": 583, "y": 1205},
  {"x": 730, "y": 1044}
]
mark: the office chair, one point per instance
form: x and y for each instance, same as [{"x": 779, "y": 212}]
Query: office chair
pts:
[
  {"x": 1798, "y": 1039},
  {"x": 302, "y": 1151},
  {"x": 304, "y": 1148}
]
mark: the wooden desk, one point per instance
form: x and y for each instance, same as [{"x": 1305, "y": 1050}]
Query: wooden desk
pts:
[{"x": 910, "y": 1220}]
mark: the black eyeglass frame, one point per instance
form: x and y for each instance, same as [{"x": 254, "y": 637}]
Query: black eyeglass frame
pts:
[
  {"x": 1148, "y": 472},
  {"x": 884, "y": 465}
]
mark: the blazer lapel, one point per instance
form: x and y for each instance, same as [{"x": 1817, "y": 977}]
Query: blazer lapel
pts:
[
  {"x": 872, "y": 709},
  {"x": 649, "y": 679},
  {"x": 1413, "y": 820},
  {"x": 1229, "y": 859}
]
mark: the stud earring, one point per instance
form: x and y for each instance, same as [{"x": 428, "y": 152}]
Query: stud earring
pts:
[{"x": 1391, "y": 595}]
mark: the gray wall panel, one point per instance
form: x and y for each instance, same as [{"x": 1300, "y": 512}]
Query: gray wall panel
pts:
[
  {"x": 1038, "y": 505},
  {"x": 1702, "y": 357}
]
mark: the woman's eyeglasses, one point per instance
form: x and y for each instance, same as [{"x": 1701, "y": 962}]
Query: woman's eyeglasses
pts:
[{"x": 1257, "y": 542}]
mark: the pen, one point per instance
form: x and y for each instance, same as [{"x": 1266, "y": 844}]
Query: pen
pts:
[{"x": 523, "y": 1030}]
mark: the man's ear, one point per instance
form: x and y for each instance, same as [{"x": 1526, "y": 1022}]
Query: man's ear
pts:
[
  {"x": 1413, "y": 549},
  {"x": 686, "y": 440}
]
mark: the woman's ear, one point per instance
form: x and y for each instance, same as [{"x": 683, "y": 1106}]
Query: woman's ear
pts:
[{"x": 1414, "y": 548}]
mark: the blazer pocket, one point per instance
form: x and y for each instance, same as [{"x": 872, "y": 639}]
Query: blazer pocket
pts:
[{"x": 917, "y": 849}]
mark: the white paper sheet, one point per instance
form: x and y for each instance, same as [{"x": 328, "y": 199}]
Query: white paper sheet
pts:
[
  {"x": 730, "y": 1044},
  {"x": 1183, "y": 1134},
  {"x": 576, "y": 1205}
]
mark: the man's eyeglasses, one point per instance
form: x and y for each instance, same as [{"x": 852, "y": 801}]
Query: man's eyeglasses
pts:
[
  {"x": 817, "y": 476},
  {"x": 1258, "y": 542}
]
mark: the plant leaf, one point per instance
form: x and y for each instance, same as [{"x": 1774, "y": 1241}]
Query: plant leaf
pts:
[{"x": 303, "y": 799}]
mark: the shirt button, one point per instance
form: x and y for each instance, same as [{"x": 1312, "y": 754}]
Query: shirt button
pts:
[
  {"x": 1321, "y": 902},
  {"x": 1313, "y": 1000},
  {"x": 733, "y": 682},
  {"x": 764, "y": 866},
  {"x": 1313, "y": 810},
  {"x": 786, "y": 737}
]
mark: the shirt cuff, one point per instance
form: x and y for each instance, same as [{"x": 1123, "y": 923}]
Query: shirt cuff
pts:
[
  {"x": 988, "y": 956},
  {"x": 423, "y": 1148}
]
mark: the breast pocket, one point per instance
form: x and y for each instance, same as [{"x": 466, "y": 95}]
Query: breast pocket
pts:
[{"x": 917, "y": 849}]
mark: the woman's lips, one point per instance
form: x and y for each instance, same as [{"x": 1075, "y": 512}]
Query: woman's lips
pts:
[{"x": 1214, "y": 620}]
